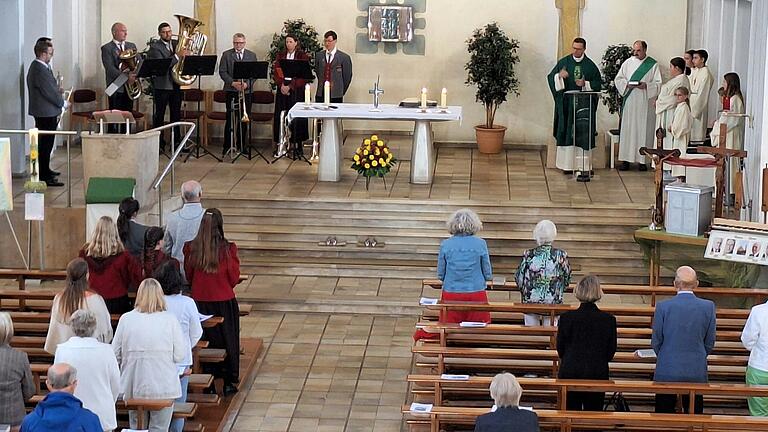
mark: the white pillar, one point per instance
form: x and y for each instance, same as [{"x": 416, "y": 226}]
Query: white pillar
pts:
[{"x": 11, "y": 28}]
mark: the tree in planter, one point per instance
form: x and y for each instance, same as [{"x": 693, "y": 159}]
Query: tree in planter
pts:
[
  {"x": 307, "y": 36},
  {"x": 613, "y": 58},
  {"x": 491, "y": 67}
]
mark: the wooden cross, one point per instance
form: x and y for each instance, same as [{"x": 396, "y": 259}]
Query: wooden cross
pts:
[
  {"x": 659, "y": 155},
  {"x": 720, "y": 153}
]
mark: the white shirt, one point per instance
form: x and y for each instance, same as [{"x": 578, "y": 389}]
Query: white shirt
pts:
[
  {"x": 239, "y": 55},
  {"x": 754, "y": 337},
  {"x": 120, "y": 45},
  {"x": 98, "y": 377},
  {"x": 332, "y": 54},
  {"x": 560, "y": 83},
  {"x": 185, "y": 310}
]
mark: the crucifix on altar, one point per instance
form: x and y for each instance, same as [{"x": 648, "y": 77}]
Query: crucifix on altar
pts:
[{"x": 721, "y": 154}]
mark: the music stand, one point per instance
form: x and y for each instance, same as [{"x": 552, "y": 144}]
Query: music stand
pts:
[
  {"x": 151, "y": 68},
  {"x": 202, "y": 65},
  {"x": 250, "y": 71},
  {"x": 584, "y": 174},
  {"x": 295, "y": 69}
]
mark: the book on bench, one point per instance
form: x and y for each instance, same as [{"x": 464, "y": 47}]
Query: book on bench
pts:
[
  {"x": 645, "y": 353},
  {"x": 421, "y": 408},
  {"x": 426, "y": 301},
  {"x": 472, "y": 324}
]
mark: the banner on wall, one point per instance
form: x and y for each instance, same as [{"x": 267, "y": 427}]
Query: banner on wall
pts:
[{"x": 6, "y": 194}]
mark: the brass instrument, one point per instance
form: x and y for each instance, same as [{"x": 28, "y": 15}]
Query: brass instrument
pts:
[
  {"x": 284, "y": 135},
  {"x": 189, "y": 39},
  {"x": 241, "y": 105},
  {"x": 129, "y": 61}
]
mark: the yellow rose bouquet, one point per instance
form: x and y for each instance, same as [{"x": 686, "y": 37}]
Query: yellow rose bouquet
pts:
[{"x": 373, "y": 158}]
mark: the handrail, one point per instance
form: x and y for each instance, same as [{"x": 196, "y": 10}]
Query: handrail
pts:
[
  {"x": 169, "y": 167},
  {"x": 69, "y": 134}
]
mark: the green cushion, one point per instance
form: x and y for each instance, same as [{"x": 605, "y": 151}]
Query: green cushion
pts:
[{"x": 109, "y": 190}]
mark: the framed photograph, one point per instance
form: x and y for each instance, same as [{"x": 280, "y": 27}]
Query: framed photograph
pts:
[
  {"x": 741, "y": 248},
  {"x": 390, "y": 23},
  {"x": 730, "y": 246},
  {"x": 714, "y": 247}
]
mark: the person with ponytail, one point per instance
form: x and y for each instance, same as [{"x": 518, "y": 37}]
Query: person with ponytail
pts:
[
  {"x": 131, "y": 232},
  {"x": 153, "y": 255},
  {"x": 213, "y": 270},
  {"x": 76, "y": 296}
]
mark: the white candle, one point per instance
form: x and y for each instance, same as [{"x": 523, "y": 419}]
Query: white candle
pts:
[
  {"x": 33, "y": 155},
  {"x": 444, "y": 98},
  {"x": 307, "y": 95},
  {"x": 424, "y": 98},
  {"x": 327, "y": 93}
]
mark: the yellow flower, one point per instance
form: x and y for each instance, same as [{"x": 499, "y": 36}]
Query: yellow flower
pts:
[
  {"x": 371, "y": 157},
  {"x": 389, "y": 158},
  {"x": 33, "y": 154},
  {"x": 359, "y": 150},
  {"x": 380, "y": 143},
  {"x": 374, "y": 163},
  {"x": 367, "y": 166},
  {"x": 367, "y": 141},
  {"x": 365, "y": 152},
  {"x": 377, "y": 152},
  {"x": 374, "y": 138},
  {"x": 356, "y": 158},
  {"x": 381, "y": 161},
  {"x": 386, "y": 150}
]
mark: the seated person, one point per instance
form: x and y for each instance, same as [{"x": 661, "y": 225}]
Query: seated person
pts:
[{"x": 506, "y": 392}]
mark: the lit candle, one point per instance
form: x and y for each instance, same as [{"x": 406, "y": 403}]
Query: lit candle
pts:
[
  {"x": 327, "y": 93},
  {"x": 33, "y": 155},
  {"x": 444, "y": 98},
  {"x": 424, "y": 98},
  {"x": 307, "y": 95}
]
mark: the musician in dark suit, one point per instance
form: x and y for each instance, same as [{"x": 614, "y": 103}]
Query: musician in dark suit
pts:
[
  {"x": 166, "y": 92},
  {"x": 232, "y": 87},
  {"x": 289, "y": 91},
  {"x": 506, "y": 392},
  {"x": 45, "y": 105},
  {"x": 586, "y": 343},
  {"x": 334, "y": 66},
  {"x": 110, "y": 59}
]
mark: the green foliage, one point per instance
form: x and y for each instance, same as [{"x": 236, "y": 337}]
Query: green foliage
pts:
[
  {"x": 35, "y": 187},
  {"x": 491, "y": 67},
  {"x": 612, "y": 59},
  {"x": 309, "y": 40}
]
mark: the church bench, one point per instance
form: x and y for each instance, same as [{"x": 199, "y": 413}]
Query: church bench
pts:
[
  {"x": 441, "y": 416},
  {"x": 757, "y": 295},
  {"x": 245, "y": 308},
  {"x": 209, "y": 399},
  {"x": 438, "y": 386},
  {"x": 199, "y": 382},
  {"x": 22, "y": 275}
]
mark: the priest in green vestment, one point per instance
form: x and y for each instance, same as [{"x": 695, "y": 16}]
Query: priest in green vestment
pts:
[{"x": 575, "y": 72}]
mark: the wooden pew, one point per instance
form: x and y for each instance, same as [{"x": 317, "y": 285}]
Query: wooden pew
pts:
[
  {"x": 569, "y": 420},
  {"x": 22, "y": 275}
]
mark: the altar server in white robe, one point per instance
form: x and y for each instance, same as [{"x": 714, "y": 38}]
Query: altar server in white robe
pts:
[
  {"x": 734, "y": 139},
  {"x": 639, "y": 81},
  {"x": 701, "y": 85},
  {"x": 680, "y": 128},
  {"x": 667, "y": 101}
]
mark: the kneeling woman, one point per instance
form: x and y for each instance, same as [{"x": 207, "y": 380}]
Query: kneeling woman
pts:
[{"x": 464, "y": 266}]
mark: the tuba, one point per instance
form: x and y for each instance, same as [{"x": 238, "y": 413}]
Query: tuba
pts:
[
  {"x": 129, "y": 61},
  {"x": 189, "y": 38}
]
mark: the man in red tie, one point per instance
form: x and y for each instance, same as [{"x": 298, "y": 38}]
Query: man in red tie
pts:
[{"x": 333, "y": 66}]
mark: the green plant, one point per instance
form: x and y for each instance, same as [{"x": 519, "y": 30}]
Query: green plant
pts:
[
  {"x": 614, "y": 56},
  {"x": 491, "y": 67},
  {"x": 309, "y": 40}
]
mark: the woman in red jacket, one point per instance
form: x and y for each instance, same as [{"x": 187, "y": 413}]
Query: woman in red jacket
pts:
[
  {"x": 213, "y": 269},
  {"x": 112, "y": 271},
  {"x": 289, "y": 91}
]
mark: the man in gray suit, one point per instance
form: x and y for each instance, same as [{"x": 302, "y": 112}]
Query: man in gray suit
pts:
[
  {"x": 683, "y": 336},
  {"x": 110, "y": 59},
  {"x": 45, "y": 105},
  {"x": 166, "y": 92},
  {"x": 229, "y": 57},
  {"x": 334, "y": 66}
]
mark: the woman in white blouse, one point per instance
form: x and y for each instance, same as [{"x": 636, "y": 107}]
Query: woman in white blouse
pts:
[
  {"x": 755, "y": 340},
  {"x": 185, "y": 310},
  {"x": 148, "y": 344},
  {"x": 76, "y": 295},
  {"x": 733, "y": 102}
]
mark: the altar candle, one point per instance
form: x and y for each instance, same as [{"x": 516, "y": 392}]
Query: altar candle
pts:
[
  {"x": 327, "y": 93},
  {"x": 307, "y": 95},
  {"x": 424, "y": 98},
  {"x": 444, "y": 98},
  {"x": 33, "y": 153}
]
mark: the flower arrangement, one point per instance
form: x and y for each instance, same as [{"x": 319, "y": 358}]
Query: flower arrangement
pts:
[{"x": 373, "y": 158}]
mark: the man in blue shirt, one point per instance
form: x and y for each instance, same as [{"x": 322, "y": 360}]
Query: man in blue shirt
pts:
[{"x": 61, "y": 410}]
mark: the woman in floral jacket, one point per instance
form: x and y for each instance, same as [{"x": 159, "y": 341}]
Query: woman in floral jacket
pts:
[{"x": 544, "y": 273}]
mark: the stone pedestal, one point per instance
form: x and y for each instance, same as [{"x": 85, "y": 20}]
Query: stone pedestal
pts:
[{"x": 134, "y": 156}]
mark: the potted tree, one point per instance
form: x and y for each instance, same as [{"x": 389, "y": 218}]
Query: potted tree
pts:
[
  {"x": 613, "y": 58},
  {"x": 491, "y": 68}
]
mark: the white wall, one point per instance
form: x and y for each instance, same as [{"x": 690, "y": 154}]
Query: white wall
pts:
[{"x": 12, "y": 90}]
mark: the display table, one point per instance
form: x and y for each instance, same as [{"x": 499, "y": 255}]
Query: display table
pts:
[
  {"x": 422, "y": 151},
  {"x": 126, "y": 156}
]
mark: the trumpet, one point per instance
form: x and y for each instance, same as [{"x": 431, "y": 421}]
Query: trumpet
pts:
[
  {"x": 241, "y": 106},
  {"x": 129, "y": 61}
]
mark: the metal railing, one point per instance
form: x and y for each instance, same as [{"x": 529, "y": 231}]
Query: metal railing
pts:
[{"x": 169, "y": 168}]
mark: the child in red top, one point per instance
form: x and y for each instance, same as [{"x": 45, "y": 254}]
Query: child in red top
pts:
[
  {"x": 112, "y": 271},
  {"x": 153, "y": 256},
  {"x": 213, "y": 269}
]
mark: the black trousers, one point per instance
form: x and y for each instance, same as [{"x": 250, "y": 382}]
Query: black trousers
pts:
[
  {"x": 225, "y": 335},
  {"x": 171, "y": 99},
  {"x": 45, "y": 146},
  {"x": 585, "y": 401},
  {"x": 119, "y": 101},
  {"x": 666, "y": 403},
  {"x": 119, "y": 305},
  {"x": 242, "y": 136}
]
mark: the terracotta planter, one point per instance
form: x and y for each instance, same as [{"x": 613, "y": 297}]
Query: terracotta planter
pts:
[{"x": 490, "y": 141}]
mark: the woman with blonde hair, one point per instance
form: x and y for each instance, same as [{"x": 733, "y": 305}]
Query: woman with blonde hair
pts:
[
  {"x": 75, "y": 296},
  {"x": 112, "y": 271},
  {"x": 148, "y": 344},
  {"x": 213, "y": 270},
  {"x": 506, "y": 393},
  {"x": 15, "y": 376}
]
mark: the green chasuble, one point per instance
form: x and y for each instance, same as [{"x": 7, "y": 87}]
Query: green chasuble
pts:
[{"x": 563, "y": 118}]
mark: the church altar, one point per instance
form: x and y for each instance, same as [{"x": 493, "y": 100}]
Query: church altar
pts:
[{"x": 422, "y": 151}]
